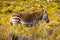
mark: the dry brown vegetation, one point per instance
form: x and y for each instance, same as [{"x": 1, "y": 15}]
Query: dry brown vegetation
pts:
[{"x": 42, "y": 31}]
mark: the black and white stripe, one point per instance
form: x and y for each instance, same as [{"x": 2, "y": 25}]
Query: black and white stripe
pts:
[
  {"x": 28, "y": 19},
  {"x": 14, "y": 20}
]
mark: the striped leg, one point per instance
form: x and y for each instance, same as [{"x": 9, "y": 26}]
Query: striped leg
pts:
[{"x": 45, "y": 17}]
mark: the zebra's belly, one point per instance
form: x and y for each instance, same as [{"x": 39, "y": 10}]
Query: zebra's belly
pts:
[{"x": 27, "y": 23}]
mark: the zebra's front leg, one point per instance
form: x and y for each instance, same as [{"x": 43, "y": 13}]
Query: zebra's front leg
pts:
[
  {"x": 35, "y": 22},
  {"x": 45, "y": 17}
]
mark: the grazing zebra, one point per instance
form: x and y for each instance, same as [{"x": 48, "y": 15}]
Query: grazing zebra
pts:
[{"x": 29, "y": 19}]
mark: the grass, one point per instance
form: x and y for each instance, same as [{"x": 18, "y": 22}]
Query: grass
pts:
[{"x": 42, "y": 31}]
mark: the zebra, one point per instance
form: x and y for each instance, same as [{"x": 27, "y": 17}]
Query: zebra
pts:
[{"x": 28, "y": 19}]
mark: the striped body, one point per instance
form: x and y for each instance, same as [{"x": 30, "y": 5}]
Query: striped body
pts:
[{"x": 28, "y": 19}]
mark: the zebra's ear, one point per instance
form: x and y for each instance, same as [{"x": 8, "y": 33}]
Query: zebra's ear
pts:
[{"x": 45, "y": 17}]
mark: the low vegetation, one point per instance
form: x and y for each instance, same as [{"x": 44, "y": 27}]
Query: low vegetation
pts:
[{"x": 42, "y": 30}]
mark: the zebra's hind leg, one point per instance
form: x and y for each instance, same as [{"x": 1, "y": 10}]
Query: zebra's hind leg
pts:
[{"x": 13, "y": 23}]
